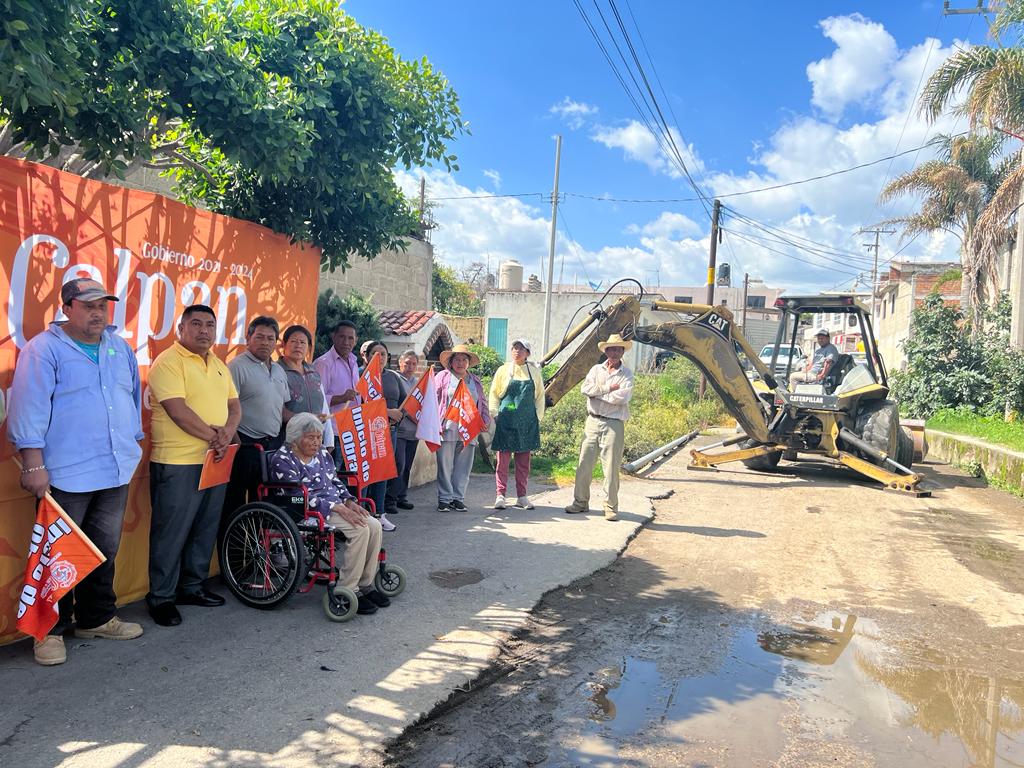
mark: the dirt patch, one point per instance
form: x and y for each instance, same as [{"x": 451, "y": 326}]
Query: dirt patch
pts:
[{"x": 453, "y": 578}]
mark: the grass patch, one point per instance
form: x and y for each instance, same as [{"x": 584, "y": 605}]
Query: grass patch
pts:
[{"x": 990, "y": 428}]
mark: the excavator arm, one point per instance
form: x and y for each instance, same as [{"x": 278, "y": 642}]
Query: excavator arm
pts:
[{"x": 709, "y": 339}]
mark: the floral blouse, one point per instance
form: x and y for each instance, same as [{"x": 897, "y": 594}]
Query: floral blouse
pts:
[{"x": 318, "y": 476}]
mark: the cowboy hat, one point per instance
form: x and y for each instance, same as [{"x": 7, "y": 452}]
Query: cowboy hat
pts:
[
  {"x": 459, "y": 349},
  {"x": 615, "y": 340}
]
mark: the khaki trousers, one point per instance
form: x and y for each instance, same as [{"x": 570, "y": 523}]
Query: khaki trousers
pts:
[
  {"x": 362, "y": 550},
  {"x": 604, "y": 437}
]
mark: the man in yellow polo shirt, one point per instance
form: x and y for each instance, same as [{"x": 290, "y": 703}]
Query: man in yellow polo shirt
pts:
[{"x": 195, "y": 409}]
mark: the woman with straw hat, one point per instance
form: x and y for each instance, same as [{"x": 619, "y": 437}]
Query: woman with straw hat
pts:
[{"x": 454, "y": 460}]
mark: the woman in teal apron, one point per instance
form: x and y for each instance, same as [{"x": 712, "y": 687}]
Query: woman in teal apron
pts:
[{"x": 517, "y": 402}]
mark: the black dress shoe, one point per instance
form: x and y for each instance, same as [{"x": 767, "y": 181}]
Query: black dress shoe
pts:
[
  {"x": 201, "y": 597},
  {"x": 165, "y": 614},
  {"x": 376, "y": 597},
  {"x": 405, "y": 504},
  {"x": 366, "y": 606}
]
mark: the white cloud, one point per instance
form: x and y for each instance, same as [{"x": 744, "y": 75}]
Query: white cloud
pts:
[
  {"x": 638, "y": 143},
  {"x": 509, "y": 228},
  {"x": 494, "y": 176},
  {"x": 857, "y": 69},
  {"x": 667, "y": 224},
  {"x": 574, "y": 113}
]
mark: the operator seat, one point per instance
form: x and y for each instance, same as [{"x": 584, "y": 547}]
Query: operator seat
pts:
[{"x": 836, "y": 373}]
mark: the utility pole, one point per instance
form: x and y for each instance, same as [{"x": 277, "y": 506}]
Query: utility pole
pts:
[
  {"x": 551, "y": 248},
  {"x": 746, "y": 287},
  {"x": 423, "y": 199},
  {"x": 874, "y": 267},
  {"x": 712, "y": 258}
]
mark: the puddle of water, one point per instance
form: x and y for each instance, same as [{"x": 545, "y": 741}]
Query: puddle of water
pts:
[
  {"x": 453, "y": 578},
  {"x": 841, "y": 681}
]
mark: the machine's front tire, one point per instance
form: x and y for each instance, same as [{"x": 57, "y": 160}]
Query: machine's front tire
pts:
[{"x": 767, "y": 463}]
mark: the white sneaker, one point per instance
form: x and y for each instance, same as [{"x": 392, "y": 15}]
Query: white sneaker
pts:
[
  {"x": 499, "y": 502},
  {"x": 386, "y": 524},
  {"x": 524, "y": 502}
]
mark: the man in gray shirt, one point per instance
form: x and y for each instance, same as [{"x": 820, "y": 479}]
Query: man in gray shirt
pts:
[
  {"x": 262, "y": 392},
  {"x": 821, "y": 362}
]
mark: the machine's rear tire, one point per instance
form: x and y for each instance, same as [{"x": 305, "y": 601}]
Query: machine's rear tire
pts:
[
  {"x": 878, "y": 424},
  {"x": 767, "y": 463}
]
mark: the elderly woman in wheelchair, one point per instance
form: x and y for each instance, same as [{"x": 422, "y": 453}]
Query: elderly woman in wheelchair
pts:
[{"x": 270, "y": 546}]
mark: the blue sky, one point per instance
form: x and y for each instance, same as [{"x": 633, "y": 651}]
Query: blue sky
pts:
[{"x": 762, "y": 93}]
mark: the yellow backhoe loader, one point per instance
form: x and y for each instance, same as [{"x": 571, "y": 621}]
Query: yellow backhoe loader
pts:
[{"x": 848, "y": 417}]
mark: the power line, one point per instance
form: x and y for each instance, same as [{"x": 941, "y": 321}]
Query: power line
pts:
[{"x": 791, "y": 256}]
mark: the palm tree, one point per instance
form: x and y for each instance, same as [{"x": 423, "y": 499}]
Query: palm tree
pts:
[
  {"x": 992, "y": 81},
  {"x": 955, "y": 188}
]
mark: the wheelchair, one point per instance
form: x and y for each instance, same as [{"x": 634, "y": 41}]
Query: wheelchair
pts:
[{"x": 275, "y": 546}]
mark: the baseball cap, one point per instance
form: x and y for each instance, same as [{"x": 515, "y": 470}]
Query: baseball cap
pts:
[
  {"x": 523, "y": 343},
  {"x": 84, "y": 289},
  {"x": 823, "y": 332}
]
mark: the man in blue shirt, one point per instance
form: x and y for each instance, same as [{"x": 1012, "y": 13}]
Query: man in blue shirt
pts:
[{"x": 75, "y": 418}]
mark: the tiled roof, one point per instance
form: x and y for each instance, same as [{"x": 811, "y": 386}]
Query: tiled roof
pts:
[{"x": 395, "y": 322}]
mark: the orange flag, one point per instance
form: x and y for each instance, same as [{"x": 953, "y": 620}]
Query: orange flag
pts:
[
  {"x": 366, "y": 442},
  {"x": 413, "y": 404},
  {"x": 463, "y": 414},
  {"x": 59, "y": 556},
  {"x": 369, "y": 385}
]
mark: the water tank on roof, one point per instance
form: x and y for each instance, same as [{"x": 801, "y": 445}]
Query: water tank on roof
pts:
[
  {"x": 724, "y": 277},
  {"x": 510, "y": 276}
]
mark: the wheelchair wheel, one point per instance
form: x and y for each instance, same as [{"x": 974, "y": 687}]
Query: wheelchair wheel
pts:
[
  {"x": 340, "y": 603},
  {"x": 390, "y": 580},
  {"x": 261, "y": 555}
]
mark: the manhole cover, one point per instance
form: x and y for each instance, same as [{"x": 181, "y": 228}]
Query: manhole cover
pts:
[{"x": 453, "y": 578}]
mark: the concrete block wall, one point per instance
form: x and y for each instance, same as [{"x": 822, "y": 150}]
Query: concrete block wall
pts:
[
  {"x": 392, "y": 280},
  {"x": 1003, "y": 465}
]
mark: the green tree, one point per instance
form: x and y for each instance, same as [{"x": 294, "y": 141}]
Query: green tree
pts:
[
  {"x": 356, "y": 308},
  {"x": 954, "y": 190},
  {"x": 452, "y": 295},
  {"x": 282, "y": 112}
]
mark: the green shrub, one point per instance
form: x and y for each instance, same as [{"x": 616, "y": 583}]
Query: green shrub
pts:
[
  {"x": 490, "y": 361},
  {"x": 354, "y": 307},
  {"x": 947, "y": 367}
]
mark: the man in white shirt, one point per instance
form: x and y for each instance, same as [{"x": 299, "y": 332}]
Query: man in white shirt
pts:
[{"x": 609, "y": 388}]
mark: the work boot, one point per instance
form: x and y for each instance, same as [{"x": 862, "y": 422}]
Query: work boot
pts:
[
  {"x": 115, "y": 629},
  {"x": 576, "y": 509},
  {"x": 610, "y": 514},
  {"x": 524, "y": 502},
  {"x": 499, "y": 502},
  {"x": 50, "y": 651}
]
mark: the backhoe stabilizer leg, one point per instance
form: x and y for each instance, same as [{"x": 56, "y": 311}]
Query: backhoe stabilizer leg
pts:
[
  {"x": 904, "y": 483},
  {"x": 702, "y": 460}
]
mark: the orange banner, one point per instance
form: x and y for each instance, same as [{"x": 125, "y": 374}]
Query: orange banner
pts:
[
  {"x": 158, "y": 256},
  {"x": 463, "y": 414},
  {"x": 59, "y": 556},
  {"x": 366, "y": 442},
  {"x": 413, "y": 403},
  {"x": 370, "y": 387}
]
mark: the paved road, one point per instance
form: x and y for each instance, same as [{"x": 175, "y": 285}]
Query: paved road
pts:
[
  {"x": 797, "y": 619},
  {"x": 238, "y": 687}
]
